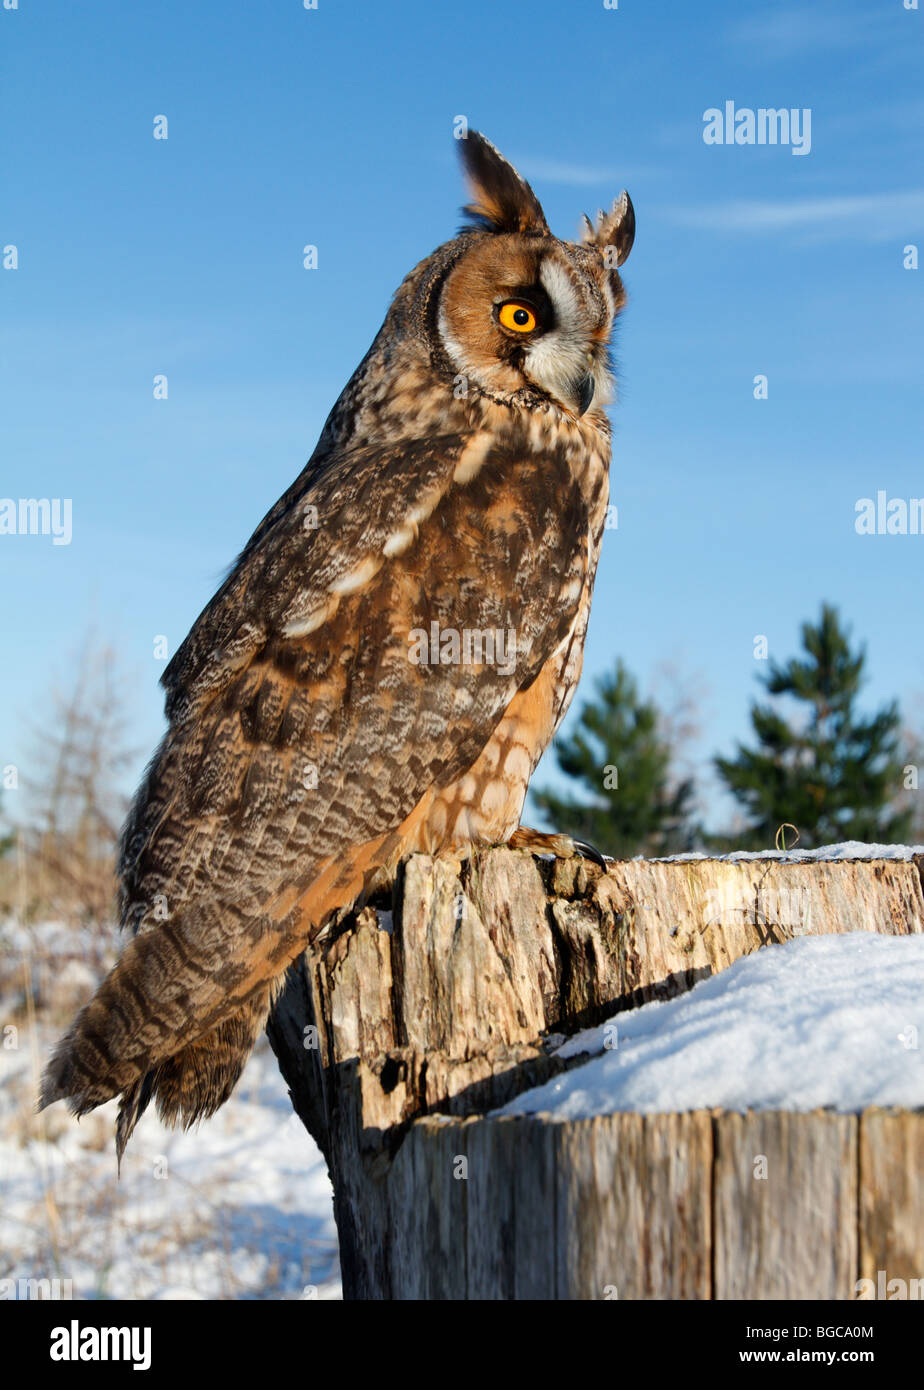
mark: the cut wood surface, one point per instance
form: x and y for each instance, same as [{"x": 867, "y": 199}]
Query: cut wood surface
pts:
[
  {"x": 785, "y": 1205},
  {"x": 769, "y": 1205},
  {"x": 447, "y": 998}
]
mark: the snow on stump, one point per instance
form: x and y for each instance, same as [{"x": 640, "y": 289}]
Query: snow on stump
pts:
[{"x": 758, "y": 1136}]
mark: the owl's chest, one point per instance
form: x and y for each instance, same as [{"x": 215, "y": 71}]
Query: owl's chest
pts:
[
  {"x": 486, "y": 803},
  {"x": 546, "y": 492}
]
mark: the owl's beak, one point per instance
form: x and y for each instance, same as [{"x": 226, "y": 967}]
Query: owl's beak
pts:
[{"x": 585, "y": 392}]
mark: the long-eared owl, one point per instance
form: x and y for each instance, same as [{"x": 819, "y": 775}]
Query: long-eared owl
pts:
[{"x": 387, "y": 659}]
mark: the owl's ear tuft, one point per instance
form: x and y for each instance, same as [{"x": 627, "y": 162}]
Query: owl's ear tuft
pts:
[
  {"x": 502, "y": 201},
  {"x": 615, "y": 229}
]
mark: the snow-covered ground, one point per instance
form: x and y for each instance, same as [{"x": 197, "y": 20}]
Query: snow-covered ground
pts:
[
  {"x": 238, "y": 1208},
  {"x": 846, "y": 849},
  {"x": 241, "y": 1206},
  {"x": 828, "y": 1021}
]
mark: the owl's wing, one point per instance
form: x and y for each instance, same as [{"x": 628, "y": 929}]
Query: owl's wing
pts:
[
  {"x": 338, "y": 513},
  {"x": 304, "y": 732}
]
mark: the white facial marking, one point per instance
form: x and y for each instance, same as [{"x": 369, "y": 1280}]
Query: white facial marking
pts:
[
  {"x": 557, "y": 360},
  {"x": 454, "y": 349}
]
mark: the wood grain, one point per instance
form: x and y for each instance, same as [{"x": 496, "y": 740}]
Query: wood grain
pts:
[{"x": 440, "y": 1001}]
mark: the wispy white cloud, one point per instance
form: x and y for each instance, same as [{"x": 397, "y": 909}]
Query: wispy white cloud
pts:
[
  {"x": 575, "y": 175},
  {"x": 787, "y": 32},
  {"x": 870, "y": 217}
]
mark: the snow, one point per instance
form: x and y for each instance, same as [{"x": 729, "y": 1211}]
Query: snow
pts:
[
  {"x": 831, "y": 1021},
  {"x": 241, "y": 1206},
  {"x": 847, "y": 849},
  {"x": 238, "y": 1208}
]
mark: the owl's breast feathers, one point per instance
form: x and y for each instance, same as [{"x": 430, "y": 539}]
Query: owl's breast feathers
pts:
[
  {"x": 322, "y": 694},
  {"x": 380, "y": 672}
]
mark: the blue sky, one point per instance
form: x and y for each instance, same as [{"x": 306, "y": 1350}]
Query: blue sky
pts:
[{"x": 334, "y": 127}]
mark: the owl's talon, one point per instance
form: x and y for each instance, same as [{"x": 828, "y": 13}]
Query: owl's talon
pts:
[
  {"x": 589, "y": 851},
  {"x": 559, "y": 846}
]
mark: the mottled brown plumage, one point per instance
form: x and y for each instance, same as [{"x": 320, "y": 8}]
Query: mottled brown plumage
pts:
[{"x": 461, "y": 481}]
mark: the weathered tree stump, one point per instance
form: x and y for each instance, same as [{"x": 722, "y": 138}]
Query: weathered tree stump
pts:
[{"x": 413, "y": 1017}]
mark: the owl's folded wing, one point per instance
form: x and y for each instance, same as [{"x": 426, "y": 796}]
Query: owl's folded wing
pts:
[
  {"x": 302, "y": 712},
  {"x": 313, "y": 707}
]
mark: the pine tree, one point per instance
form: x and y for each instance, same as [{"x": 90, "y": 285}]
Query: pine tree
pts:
[
  {"x": 619, "y": 754},
  {"x": 829, "y": 772}
]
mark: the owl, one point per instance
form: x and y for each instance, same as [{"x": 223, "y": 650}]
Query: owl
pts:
[{"x": 388, "y": 657}]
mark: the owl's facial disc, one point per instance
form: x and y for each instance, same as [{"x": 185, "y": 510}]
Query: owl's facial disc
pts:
[
  {"x": 569, "y": 360},
  {"x": 519, "y": 313}
]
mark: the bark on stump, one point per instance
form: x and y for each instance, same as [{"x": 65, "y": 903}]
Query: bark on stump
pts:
[{"x": 412, "y": 1018}]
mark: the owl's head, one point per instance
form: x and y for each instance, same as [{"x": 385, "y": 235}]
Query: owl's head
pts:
[{"x": 523, "y": 315}]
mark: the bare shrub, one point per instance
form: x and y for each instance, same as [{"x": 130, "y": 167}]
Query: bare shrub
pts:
[{"x": 57, "y": 881}]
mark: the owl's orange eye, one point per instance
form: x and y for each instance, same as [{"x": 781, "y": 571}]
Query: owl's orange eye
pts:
[{"x": 517, "y": 317}]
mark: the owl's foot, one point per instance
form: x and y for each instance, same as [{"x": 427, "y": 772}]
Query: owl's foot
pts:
[{"x": 563, "y": 846}]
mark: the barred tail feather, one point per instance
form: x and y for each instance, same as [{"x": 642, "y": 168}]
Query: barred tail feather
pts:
[
  {"x": 196, "y": 1081},
  {"x": 176, "y": 1017}
]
